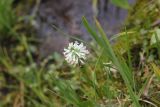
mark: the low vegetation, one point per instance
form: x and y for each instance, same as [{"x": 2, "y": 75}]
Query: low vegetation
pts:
[{"x": 121, "y": 71}]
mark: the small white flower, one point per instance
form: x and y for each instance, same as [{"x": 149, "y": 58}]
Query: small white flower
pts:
[{"x": 75, "y": 53}]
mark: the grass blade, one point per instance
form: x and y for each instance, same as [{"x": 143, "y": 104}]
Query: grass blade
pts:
[{"x": 119, "y": 62}]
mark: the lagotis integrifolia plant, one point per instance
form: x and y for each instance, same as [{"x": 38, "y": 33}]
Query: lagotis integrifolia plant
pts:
[{"x": 75, "y": 53}]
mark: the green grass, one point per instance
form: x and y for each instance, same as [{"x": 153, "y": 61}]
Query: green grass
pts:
[
  {"x": 119, "y": 62},
  {"x": 27, "y": 81},
  {"x": 7, "y": 18}
]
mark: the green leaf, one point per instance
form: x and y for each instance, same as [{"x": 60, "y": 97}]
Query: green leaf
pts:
[
  {"x": 67, "y": 92},
  {"x": 153, "y": 38},
  {"x": 156, "y": 70},
  {"x": 121, "y": 3}
]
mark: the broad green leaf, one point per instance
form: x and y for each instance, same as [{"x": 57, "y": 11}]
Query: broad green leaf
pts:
[
  {"x": 121, "y": 3},
  {"x": 153, "y": 38}
]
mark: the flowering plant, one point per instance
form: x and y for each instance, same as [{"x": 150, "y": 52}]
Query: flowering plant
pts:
[{"x": 75, "y": 53}]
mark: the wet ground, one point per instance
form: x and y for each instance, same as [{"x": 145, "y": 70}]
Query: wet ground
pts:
[{"x": 67, "y": 14}]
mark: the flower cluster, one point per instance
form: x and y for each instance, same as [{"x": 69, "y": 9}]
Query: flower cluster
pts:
[{"x": 75, "y": 53}]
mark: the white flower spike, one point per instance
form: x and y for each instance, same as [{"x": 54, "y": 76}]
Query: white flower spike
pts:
[{"x": 75, "y": 53}]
